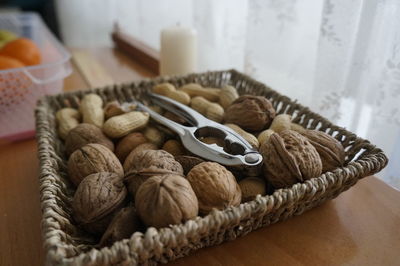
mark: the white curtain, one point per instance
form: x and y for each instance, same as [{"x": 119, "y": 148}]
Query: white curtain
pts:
[{"x": 339, "y": 57}]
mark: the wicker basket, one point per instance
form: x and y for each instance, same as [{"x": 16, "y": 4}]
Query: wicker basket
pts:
[{"x": 66, "y": 244}]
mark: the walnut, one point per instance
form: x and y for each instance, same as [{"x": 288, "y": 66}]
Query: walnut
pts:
[
  {"x": 188, "y": 162},
  {"x": 330, "y": 149},
  {"x": 251, "y": 187},
  {"x": 132, "y": 155},
  {"x": 164, "y": 200},
  {"x": 148, "y": 163},
  {"x": 252, "y": 113},
  {"x": 90, "y": 159},
  {"x": 215, "y": 186},
  {"x": 290, "y": 158},
  {"x": 128, "y": 143},
  {"x": 123, "y": 225},
  {"x": 85, "y": 134},
  {"x": 96, "y": 199}
]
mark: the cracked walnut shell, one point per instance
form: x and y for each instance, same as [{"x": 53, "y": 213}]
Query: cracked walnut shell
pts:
[
  {"x": 96, "y": 199},
  {"x": 164, "y": 200},
  {"x": 215, "y": 186},
  {"x": 290, "y": 158}
]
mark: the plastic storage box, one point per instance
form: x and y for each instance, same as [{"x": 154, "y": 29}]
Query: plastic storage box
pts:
[{"x": 20, "y": 88}]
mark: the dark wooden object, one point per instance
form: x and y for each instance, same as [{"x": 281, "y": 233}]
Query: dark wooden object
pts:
[{"x": 137, "y": 50}]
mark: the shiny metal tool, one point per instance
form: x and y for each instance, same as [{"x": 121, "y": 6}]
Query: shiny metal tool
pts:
[{"x": 236, "y": 150}]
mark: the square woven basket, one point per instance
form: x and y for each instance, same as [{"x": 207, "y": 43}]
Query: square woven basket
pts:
[{"x": 66, "y": 244}]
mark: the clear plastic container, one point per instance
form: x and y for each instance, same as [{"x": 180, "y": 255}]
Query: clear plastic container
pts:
[{"x": 20, "y": 88}]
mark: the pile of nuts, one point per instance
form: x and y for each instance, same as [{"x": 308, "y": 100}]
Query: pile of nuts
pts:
[{"x": 130, "y": 175}]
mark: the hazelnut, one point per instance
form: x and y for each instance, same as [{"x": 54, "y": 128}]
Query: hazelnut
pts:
[
  {"x": 174, "y": 147},
  {"x": 188, "y": 162},
  {"x": 128, "y": 143},
  {"x": 114, "y": 108}
]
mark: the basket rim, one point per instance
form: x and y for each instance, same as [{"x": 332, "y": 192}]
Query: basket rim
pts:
[{"x": 143, "y": 246}]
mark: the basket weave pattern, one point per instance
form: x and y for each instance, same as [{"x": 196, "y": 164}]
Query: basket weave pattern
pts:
[{"x": 67, "y": 244}]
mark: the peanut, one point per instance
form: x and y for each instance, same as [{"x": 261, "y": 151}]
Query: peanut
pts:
[
  {"x": 121, "y": 125},
  {"x": 174, "y": 147},
  {"x": 296, "y": 127},
  {"x": 250, "y": 138},
  {"x": 264, "y": 136},
  {"x": 154, "y": 135},
  {"x": 227, "y": 95},
  {"x": 168, "y": 90},
  {"x": 281, "y": 122},
  {"x": 91, "y": 110},
  {"x": 209, "y": 109},
  {"x": 193, "y": 89},
  {"x": 67, "y": 118},
  {"x": 199, "y": 104},
  {"x": 163, "y": 88}
]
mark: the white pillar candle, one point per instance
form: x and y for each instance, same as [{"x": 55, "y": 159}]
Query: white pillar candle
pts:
[{"x": 178, "y": 54}]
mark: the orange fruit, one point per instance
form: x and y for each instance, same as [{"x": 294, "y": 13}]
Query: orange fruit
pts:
[
  {"x": 23, "y": 50},
  {"x": 7, "y": 62}
]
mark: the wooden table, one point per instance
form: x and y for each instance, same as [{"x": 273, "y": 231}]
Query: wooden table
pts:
[{"x": 360, "y": 227}]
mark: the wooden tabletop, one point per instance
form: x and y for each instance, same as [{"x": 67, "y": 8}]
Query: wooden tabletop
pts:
[{"x": 360, "y": 227}]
